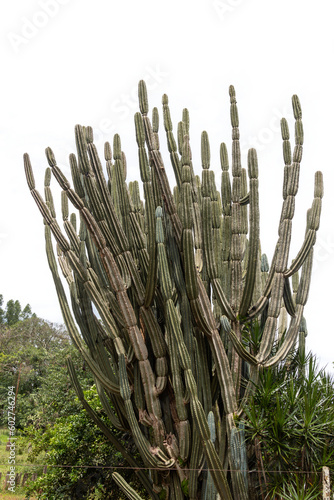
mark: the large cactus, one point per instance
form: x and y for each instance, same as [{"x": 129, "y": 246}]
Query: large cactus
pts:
[{"x": 166, "y": 295}]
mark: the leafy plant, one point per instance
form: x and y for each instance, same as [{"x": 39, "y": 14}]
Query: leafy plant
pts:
[
  {"x": 299, "y": 491},
  {"x": 32, "y": 358},
  {"x": 13, "y": 313},
  {"x": 290, "y": 428},
  {"x": 80, "y": 459}
]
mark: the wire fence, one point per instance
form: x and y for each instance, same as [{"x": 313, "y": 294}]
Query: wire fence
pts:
[
  {"x": 21, "y": 478},
  {"x": 166, "y": 469}
]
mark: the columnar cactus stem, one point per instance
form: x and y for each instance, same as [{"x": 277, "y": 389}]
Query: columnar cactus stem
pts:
[
  {"x": 254, "y": 234},
  {"x": 168, "y": 292},
  {"x": 130, "y": 492},
  {"x": 236, "y": 228}
]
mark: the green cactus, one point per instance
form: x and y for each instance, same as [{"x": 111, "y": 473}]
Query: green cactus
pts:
[
  {"x": 167, "y": 294},
  {"x": 209, "y": 492},
  {"x": 128, "y": 490}
]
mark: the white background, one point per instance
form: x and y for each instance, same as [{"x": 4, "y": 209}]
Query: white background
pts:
[{"x": 68, "y": 61}]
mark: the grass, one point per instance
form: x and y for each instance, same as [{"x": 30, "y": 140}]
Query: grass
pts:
[{"x": 21, "y": 454}]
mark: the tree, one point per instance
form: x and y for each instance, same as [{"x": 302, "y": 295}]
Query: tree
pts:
[
  {"x": 54, "y": 398},
  {"x": 2, "y": 312},
  {"x": 164, "y": 292},
  {"x": 13, "y": 312},
  {"x": 26, "y": 313},
  {"x": 36, "y": 349}
]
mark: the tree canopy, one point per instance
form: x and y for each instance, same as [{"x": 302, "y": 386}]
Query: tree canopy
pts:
[
  {"x": 31, "y": 351},
  {"x": 13, "y": 312}
]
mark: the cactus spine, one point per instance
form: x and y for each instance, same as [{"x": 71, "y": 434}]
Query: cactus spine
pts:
[{"x": 165, "y": 293}]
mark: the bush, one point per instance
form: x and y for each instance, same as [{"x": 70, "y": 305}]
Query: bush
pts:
[
  {"x": 290, "y": 428},
  {"x": 76, "y": 451}
]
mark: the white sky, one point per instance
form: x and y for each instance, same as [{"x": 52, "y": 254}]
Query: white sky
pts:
[{"x": 69, "y": 61}]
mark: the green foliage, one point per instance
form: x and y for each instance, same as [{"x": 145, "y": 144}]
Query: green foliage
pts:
[
  {"x": 21, "y": 453},
  {"x": 296, "y": 490},
  {"x": 185, "y": 487},
  {"x": 32, "y": 355},
  {"x": 55, "y": 396},
  {"x": 2, "y": 312},
  {"x": 290, "y": 427},
  {"x": 76, "y": 451},
  {"x": 13, "y": 312},
  {"x": 50, "y": 414}
]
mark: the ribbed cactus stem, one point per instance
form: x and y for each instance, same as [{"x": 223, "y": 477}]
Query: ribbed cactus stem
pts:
[
  {"x": 149, "y": 211},
  {"x": 172, "y": 147},
  {"x": 236, "y": 248},
  {"x": 254, "y": 217},
  {"x": 210, "y": 490},
  {"x": 238, "y": 462},
  {"x": 125, "y": 487}
]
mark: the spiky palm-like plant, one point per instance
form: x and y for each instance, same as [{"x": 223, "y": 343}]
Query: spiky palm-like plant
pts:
[
  {"x": 164, "y": 293},
  {"x": 289, "y": 427}
]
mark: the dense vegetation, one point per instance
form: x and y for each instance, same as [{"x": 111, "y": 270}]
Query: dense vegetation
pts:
[
  {"x": 289, "y": 424},
  {"x": 13, "y": 312},
  {"x": 289, "y": 430},
  {"x": 81, "y": 456},
  {"x": 32, "y": 359},
  {"x": 33, "y": 352}
]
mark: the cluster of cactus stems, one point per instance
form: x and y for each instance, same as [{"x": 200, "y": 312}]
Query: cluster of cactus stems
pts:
[{"x": 165, "y": 294}]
